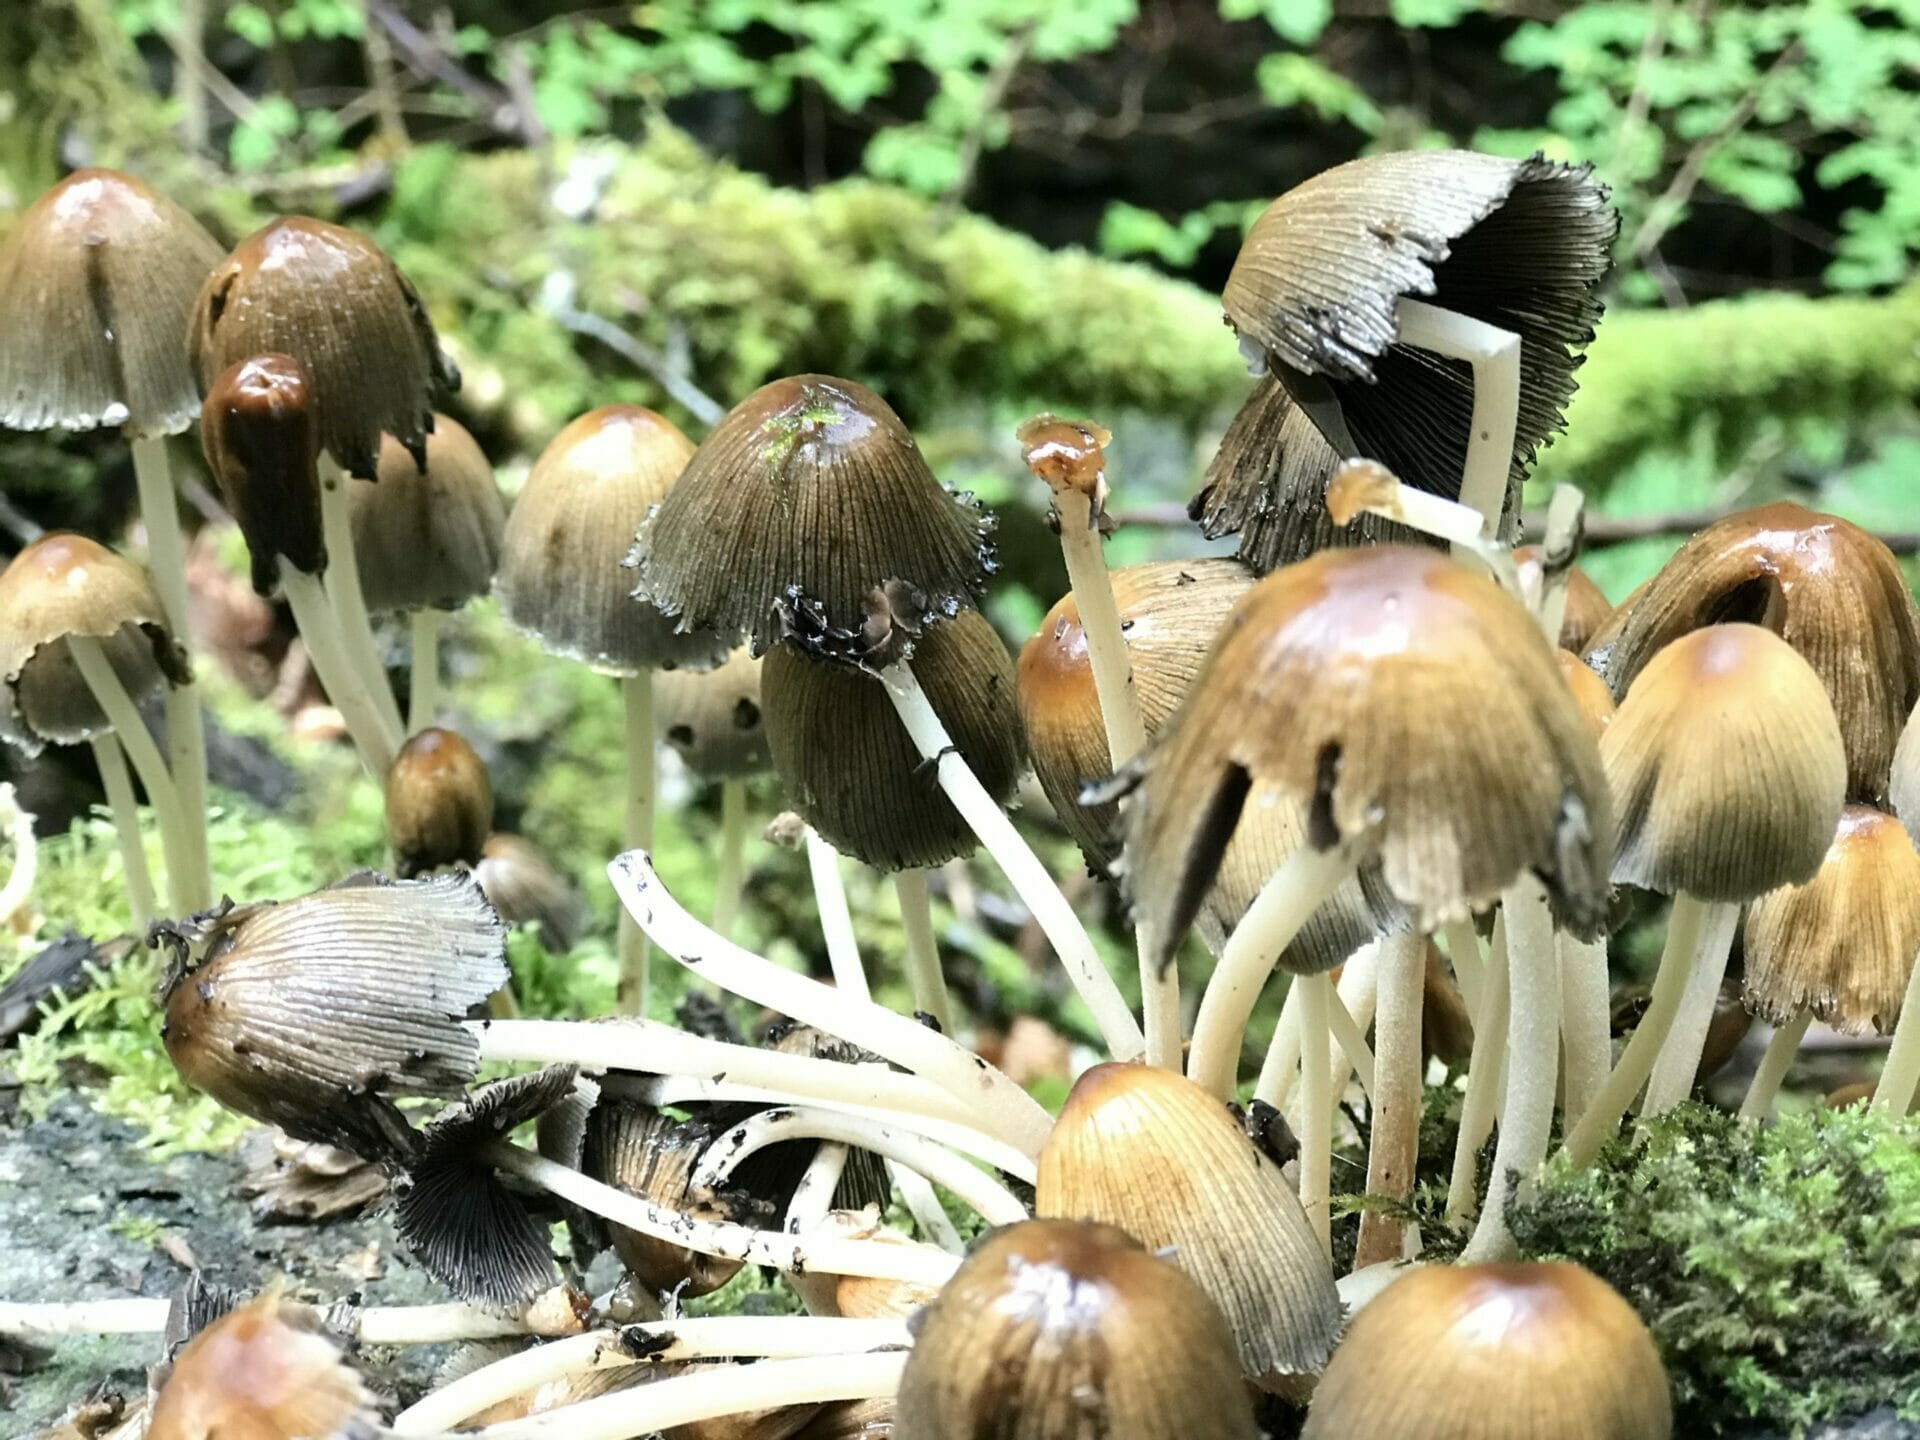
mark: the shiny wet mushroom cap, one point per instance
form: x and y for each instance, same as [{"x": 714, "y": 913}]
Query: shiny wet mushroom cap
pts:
[
  {"x": 439, "y": 803},
  {"x": 262, "y": 445},
  {"x": 263, "y": 1371},
  {"x": 428, "y": 537},
  {"x": 712, "y": 718}
]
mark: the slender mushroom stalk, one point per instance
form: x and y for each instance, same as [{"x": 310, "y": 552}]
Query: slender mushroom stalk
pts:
[
  {"x": 1485, "y": 1071},
  {"x": 714, "y": 721},
  {"x": 348, "y": 598},
  {"x": 1366, "y": 487},
  {"x": 922, "y": 951},
  {"x": 111, "y": 758},
  {"x": 1397, "y": 1090},
  {"x": 1899, "y": 1083},
  {"x": 836, "y": 921},
  {"x": 370, "y": 1325},
  {"x": 1586, "y": 1041},
  {"x": 17, "y": 825},
  {"x": 730, "y": 869},
  {"x": 1494, "y": 354},
  {"x": 642, "y": 786},
  {"x": 1469, "y": 968},
  {"x": 423, "y": 685}
]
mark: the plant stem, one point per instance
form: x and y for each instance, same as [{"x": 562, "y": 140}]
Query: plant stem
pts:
[
  {"x": 636, "y": 694},
  {"x": 423, "y": 688},
  {"x": 1678, "y": 1063},
  {"x": 118, "y": 784},
  {"x": 1774, "y": 1066},
  {"x": 1586, "y": 1022},
  {"x": 836, "y": 921},
  {"x": 345, "y": 595},
  {"x": 922, "y": 951},
  {"x": 1483, "y": 1084},
  {"x": 319, "y": 627},
  {"x": 1316, "y": 1133},
  {"x": 1396, "y": 1093},
  {"x": 729, "y": 874},
  {"x": 1900, "y": 1076},
  {"x": 1494, "y": 355}
]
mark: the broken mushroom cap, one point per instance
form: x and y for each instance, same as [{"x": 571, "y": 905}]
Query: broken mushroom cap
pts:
[
  {"x": 432, "y": 536},
  {"x": 1842, "y": 945},
  {"x": 808, "y": 496},
  {"x": 1150, "y": 1151},
  {"x": 1495, "y": 1352},
  {"x": 1587, "y": 608},
  {"x": 521, "y": 883},
  {"x": 561, "y": 578},
  {"x": 263, "y": 449},
  {"x": 100, "y": 275},
  {"x": 848, "y": 766},
  {"x": 63, "y": 585},
  {"x": 1058, "y": 1329},
  {"x": 332, "y": 299},
  {"x": 263, "y": 1371},
  {"x": 1726, "y": 766},
  {"x": 1590, "y": 693},
  {"x": 439, "y": 803},
  {"x": 1407, "y": 707},
  {"x": 712, "y": 718}
]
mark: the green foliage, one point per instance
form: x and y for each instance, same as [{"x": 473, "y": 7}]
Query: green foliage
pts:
[{"x": 1776, "y": 1267}]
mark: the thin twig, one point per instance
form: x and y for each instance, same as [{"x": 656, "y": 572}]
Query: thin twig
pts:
[
  {"x": 1652, "y": 44},
  {"x": 424, "y": 57},
  {"x": 992, "y": 95},
  {"x": 702, "y": 406}
]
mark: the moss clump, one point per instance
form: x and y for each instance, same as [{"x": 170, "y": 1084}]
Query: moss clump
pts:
[{"x": 1777, "y": 1268}]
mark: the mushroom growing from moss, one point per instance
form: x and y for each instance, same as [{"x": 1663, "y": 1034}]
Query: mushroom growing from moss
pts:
[{"x": 439, "y": 804}]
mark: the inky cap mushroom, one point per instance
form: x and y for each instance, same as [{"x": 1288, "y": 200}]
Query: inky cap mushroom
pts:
[
  {"x": 428, "y": 537},
  {"x": 712, "y": 718},
  {"x": 258, "y": 433},
  {"x": 439, "y": 803},
  {"x": 263, "y": 1371}
]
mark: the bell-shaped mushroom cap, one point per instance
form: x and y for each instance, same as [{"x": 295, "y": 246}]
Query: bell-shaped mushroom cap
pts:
[
  {"x": 257, "y": 431},
  {"x": 1587, "y": 608},
  {"x": 848, "y": 766},
  {"x": 333, "y": 300},
  {"x": 1832, "y": 591},
  {"x": 100, "y": 276},
  {"x": 313, "y": 1014},
  {"x": 521, "y": 883},
  {"x": 1517, "y": 244},
  {"x": 1904, "y": 788},
  {"x": 561, "y": 576},
  {"x": 439, "y": 803},
  {"x": 263, "y": 1371},
  {"x": 428, "y": 537},
  {"x": 63, "y": 585},
  {"x": 1409, "y": 708},
  {"x": 1842, "y": 945},
  {"x": 1151, "y": 1152},
  {"x": 1590, "y": 693},
  {"x": 1494, "y": 1352},
  {"x": 712, "y": 718},
  {"x": 1726, "y": 766},
  {"x": 808, "y": 496},
  {"x": 1062, "y": 1330}
]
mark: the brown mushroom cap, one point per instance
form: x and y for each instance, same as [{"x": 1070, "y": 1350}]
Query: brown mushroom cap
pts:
[
  {"x": 439, "y": 803},
  {"x": 712, "y": 718},
  {"x": 1590, "y": 693},
  {"x": 1843, "y": 944},
  {"x": 1495, "y": 1352},
  {"x": 1063, "y": 1330},
  {"x": 100, "y": 275},
  {"x": 428, "y": 537},
  {"x": 1587, "y": 608},
  {"x": 63, "y": 585},
  {"x": 807, "y": 497},
  {"x": 264, "y": 1371},
  {"x": 257, "y": 431},
  {"x": 1726, "y": 766},
  {"x": 521, "y": 883},
  {"x": 333, "y": 300}
]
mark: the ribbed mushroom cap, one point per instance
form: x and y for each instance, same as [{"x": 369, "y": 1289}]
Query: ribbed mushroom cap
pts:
[
  {"x": 1726, "y": 766},
  {"x": 264, "y": 1371},
  {"x": 439, "y": 803},
  {"x": 847, "y": 765},
  {"x": 1590, "y": 693},
  {"x": 100, "y": 275},
  {"x": 313, "y": 1014},
  {"x": 851, "y": 1420},
  {"x": 1832, "y": 591},
  {"x": 63, "y": 585},
  {"x": 562, "y": 578},
  {"x": 807, "y": 497},
  {"x": 1409, "y": 708},
  {"x": 258, "y": 432},
  {"x": 1904, "y": 788},
  {"x": 1151, "y": 1152},
  {"x": 428, "y": 537},
  {"x": 651, "y": 1154},
  {"x": 712, "y": 718},
  {"x": 1494, "y": 1352},
  {"x": 1844, "y": 944},
  {"x": 1587, "y": 607},
  {"x": 1061, "y": 1330},
  {"x": 521, "y": 883},
  {"x": 1518, "y": 244},
  {"x": 333, "y": 300}
]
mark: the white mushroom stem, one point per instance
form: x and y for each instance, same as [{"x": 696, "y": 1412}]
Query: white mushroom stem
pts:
[
  {"x": 1482, "y": 1099},
  {"x": 372, "y": 1325},
  {"x": 1678, "y": 1063},
  {"x": 1774, "y": 1066},
  {"x": 1469, "y": 969},
  {"x": 836, "y": 1254},
  {"x": 916, "y": 1193},
  {"x": 922, "y": 951},
  {"x": 1900, "y": 1076},
  {"x": 17, "y": 824},
  {"x": 1350, "y": 1034},
  {"x": 345, "y": 595},
  {"x": 1494, "y": 355},
  {"x": 376, "y": 740},
  {"x": 1533, "y": 1063},
  {"x": 1396, "y": 1092},
  {"x": 1558, "y": 547},
  {"x": 1029, "y": 878},
  {"x": 998, "y": 1105},
  {"x": 1277, "y": 1071},
  {"x": 121, "y": 804},
  {"x": 783, "y": 1336},
  {"x": 636, "y": 694},
  {"x": 813, "y": 1196},
  {"x": 176, "y": 839},
  {"x": 729, "y": 870},
  {"x": 708, "y": 1394},
  {"x": 1316, "y": 1132},
  {"x": 1353, "y": 995},
  {"x": 836, "y": 921},
  {"x": 1284, "y": 905},
  {"x": 971, "y": 1186},
  {"x": 423, "y": 688},
  {"x": 1586, "y": 1022},
  {"x": 1367, "y": 487}
]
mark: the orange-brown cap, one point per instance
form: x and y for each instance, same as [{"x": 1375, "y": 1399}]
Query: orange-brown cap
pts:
[
  {"x": 1590, "y": 693},
  {"x": 258, "y": 433},
  {"x": 264, "y": 1371},
  {"x": 439, "y": 803},
  {"x": 712, "y": 718},
  {"x": 1587, "y": 608},
  {"x": 1727, "y": 768},
  {"x": 333, "y": 300},
  {"x": 1495, "y": 1352},
  {"x": 1843, "y": 944},
  {"x": 100, "y": 275},
  {"x": 63, "y": 585},
  {"x": 428, "y": 536}
]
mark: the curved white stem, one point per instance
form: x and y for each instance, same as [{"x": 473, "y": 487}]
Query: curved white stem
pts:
[
  {"x": 813, "y": 1196},
  {"x": 1484, "y": 1073},
  {"x": 1351, "y": 1036},
  {"x": 1774, "y": 1066},
  {"x": 1316, "y": 1132},
  {"x": 372, "y": 1325},
  {"x": 1495, "y": 356},
  {"x": 349, "y": 602},
  {"x": 1586, "y": 1020},
  {"x": 836, "y": 921},
  {"x": 18, "y": 825},
  {"x": 1900, "y": 1076},
  {"x": 1678, "y": 1063},
  {"x": 125, "y": 810},
  {"x": 922, "y": 950},
  {"x": 1557, "y": 550},
  {"x": 313, "y": 616},
  {"x": 1277, "y": 1071},
  {"x": 423, "y": 688},
  {"x": 729, "y": 871},
  {"x": 916, "y": 1193},
  {"x": 636, "y": 694}
]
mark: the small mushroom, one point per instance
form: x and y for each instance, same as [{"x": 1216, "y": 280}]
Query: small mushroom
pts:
[
  {"x": 439, "y": 803},
  {"x": 264, "y": 1371},
  {"x": 521, "y": 883}
]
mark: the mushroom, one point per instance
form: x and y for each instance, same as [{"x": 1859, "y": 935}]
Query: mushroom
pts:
[
  {"x": 1586, "y": 608},
  {"x": 521, "y": 883},
  {"x": 439, "y": 804},
  {"x": 263, "y": 1371},
  {"x": 713, "y": 721},
  {"x": 1584, "y": 977},
  {"x": 1062, "y": 1330}
]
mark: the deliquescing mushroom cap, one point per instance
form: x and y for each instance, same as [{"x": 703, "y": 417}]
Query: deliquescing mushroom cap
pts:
[
  {"x": 1831, "y": 590},
  {"x": 1587, "y": 606},
  {"x": 1062, "y": 1330},
  {"x": 258, "y": 433},
  {"x": 315, "y": 1014},
  {"x": 60, "y": 585},
  {"x": 713, "y": 719},
  {"x": 332, "y": 299},
  {"x": 1727, "y": 767},
  {"x": 806, "y": 498},
  {"x": 1408, "y": 707},
  {"x": 428, "y": 537},
  {"x": 1843, "y": 945},
  {"x": 561, "y": 577},
  {"x": 850, "y": 770},
  {"x": 100, "y": 275},
  {"x": 1495, "y": 1352},
  {"x": 1151, "y": 1152},
  {"x": 263, "y": 1371},
  {"x": 439, "y": 803},
  {"x": 1519, "y": 244}
]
